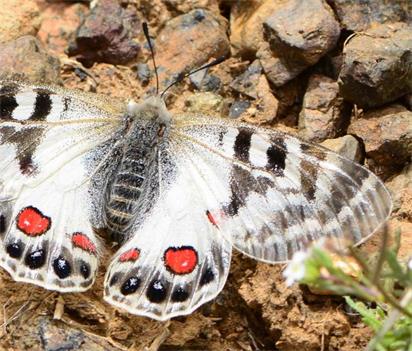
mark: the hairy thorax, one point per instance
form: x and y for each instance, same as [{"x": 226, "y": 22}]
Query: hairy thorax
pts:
[{"x": 146, "y": 128}]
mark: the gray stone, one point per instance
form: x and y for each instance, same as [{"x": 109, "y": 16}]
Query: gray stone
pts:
[
  {"x": 238, "y": 107},
  {"x": 347, "y": 146},
  {"x": 189, "y": 41},
  {"x": 377, "y": 66},
  {"x": 400, "y": 187},
  {"x": 299, "y": 33},
  {"x": 26, "y": 58},
  {"x": 247, "y": 82},
  {"x": 358, "y": 16},
  {"x": 107, "y": 35},
  {"x": 387, "y": 136},
  {"x": 324, "y": 113}
]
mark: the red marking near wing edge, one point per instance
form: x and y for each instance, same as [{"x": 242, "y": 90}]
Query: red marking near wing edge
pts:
[
  {"x": 180, "y": 260},
  {"x": 81, "y": 241},
  {"x": 32, "y": 222},
  {"x": 130, "y": 255},
  {"x": 211, "y": 218}
]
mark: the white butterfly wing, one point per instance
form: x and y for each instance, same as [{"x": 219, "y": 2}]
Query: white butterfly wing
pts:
[
  {"x": 174, "y": 261},
  {"x": 215, "y": 184},
  {"x": 52, "y": 142},
  {"x": 271, "y": 194}
]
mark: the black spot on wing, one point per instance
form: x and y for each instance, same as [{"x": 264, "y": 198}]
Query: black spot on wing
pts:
[
  {"x": 15, "y": 250},
  {"x": 62, "y": 267},
  {"x": 276, "y": 156},
  {"x": 180, "y": 294},
  {"x": 2, "y": 224},
  {"x": 157, "y": 291},
  {"x": 85, "y": 270},
  {"x": 42, "y": 106},
  {"x": 8, "y": 101},
  {"x": 130, "y": 286},
  {"x": 207, "y": 276},
  {"x": 242, "y": 144},
  {"x": 35, "y": 259}
]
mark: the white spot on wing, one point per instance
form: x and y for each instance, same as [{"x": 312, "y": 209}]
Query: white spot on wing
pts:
[
  {"x": 257, "y": 152},
  {"x": 26, "y": 101}
]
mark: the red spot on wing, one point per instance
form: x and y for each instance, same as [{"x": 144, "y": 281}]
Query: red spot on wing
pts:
[
  {"x": 211, "y": 218},
  {"x": 81, "y": 241},
  {"x": 180, "y": 260},
  {"x": 32, "y": 222},
  {"x": 130, "y": 255}
]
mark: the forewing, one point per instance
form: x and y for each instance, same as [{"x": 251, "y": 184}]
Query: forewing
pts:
[
  {"x": 53, "y": 142},
  {"x": 174, "y": 261},
  {"x": 271, "y": 194}
]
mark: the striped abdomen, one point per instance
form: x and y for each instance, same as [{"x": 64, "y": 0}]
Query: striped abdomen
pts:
[{"x": 124, "y": 193}]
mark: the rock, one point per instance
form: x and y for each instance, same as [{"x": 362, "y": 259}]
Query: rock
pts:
[
  {"x": 18, "y": 18},
  {"x": 246, "y": 25},
  {"x": 387, "y": 136},
  {"x": 247, "y": 82},
  {"x": 324, "y": 114},
  {"x": 205, "y": 82},
  {"x": 207, "y": 103},
  {"x": 347, "y": 146},
  {"x": 178, "y": 7},
  {"x": 373, "y": 62},
  {"x": 211, "y": 83},
  {"x": 107, "y": 35},
  {"x": 276, "y": 69},
  {"x": 26, "y": 58},
  {"x": 358, "y": 16},
  {"x": 265, "y": 108},
  {"x": 188, "y": 41},
  {"x": 60, "y": 20},
  {"x": 238, "y": 107},
  {"x": 298, "y": 34},
  {"x": 266, "y": 103},
  {"x": 400, "y": 187}
]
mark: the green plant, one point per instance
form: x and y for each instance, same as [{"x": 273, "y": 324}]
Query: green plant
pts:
[{"x": 383, "y": 279}]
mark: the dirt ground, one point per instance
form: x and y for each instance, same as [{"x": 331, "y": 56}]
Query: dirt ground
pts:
[{"x": 255, "y": 311}]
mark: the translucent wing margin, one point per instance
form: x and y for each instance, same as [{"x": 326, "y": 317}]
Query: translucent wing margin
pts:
[
  {"x": 52, "y": 143},
  {"x": 271, "y": 194}
]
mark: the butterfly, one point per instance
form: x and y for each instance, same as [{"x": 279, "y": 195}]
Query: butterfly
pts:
[{"x": 178, "y": 192}]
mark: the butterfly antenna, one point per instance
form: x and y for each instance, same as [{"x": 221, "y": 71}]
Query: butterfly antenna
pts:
[
  {"x": 146, "y": 34},
  {"x": 182, "y": 76}
]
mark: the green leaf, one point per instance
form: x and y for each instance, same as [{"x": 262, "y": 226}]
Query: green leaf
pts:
[
  {"x": 369, "y": 316},
  {"x": 397, "y": 269}
]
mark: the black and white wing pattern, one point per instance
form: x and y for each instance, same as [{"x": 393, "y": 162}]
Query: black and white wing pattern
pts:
[
  {"x": 217, "y": 184},
  {"x": 52, "y": 141},
  {"x": 271, "y": 194}
]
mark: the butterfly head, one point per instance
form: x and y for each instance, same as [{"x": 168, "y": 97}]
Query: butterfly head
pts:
[{"x": 152, "y": 109}]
